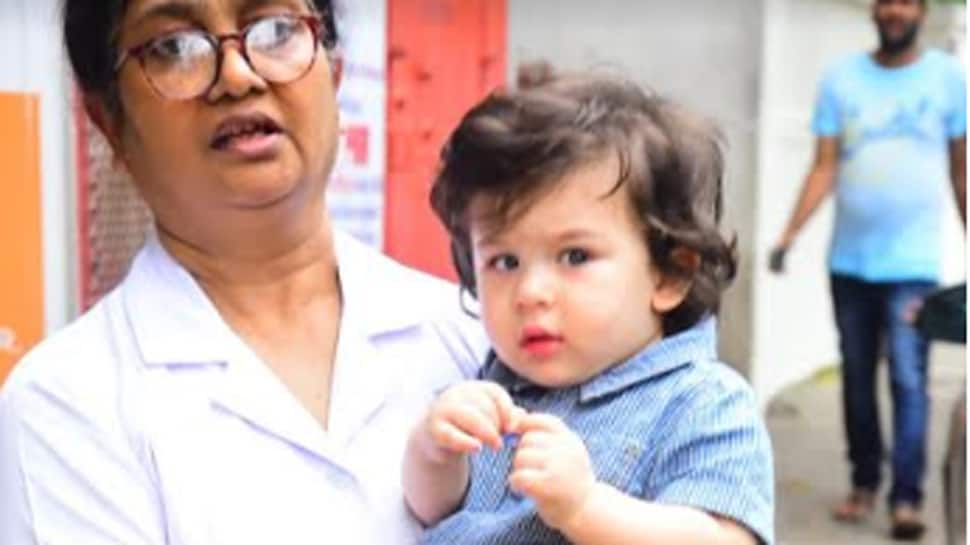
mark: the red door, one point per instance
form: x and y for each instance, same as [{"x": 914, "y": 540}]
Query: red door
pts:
[{"x": 444, "y": 55}]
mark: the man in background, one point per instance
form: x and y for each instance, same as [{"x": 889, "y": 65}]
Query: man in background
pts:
[{"x": 891, "y": 128}]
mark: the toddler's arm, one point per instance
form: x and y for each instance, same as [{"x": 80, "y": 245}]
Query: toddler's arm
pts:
[
  {"x": 463, "y": 419},
  {"x": 552, "y": 467},
  {"x": 610, "y": 516}
]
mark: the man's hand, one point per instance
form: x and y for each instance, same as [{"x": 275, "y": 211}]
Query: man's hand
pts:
[
  {"x": 776, "y": 261},
  {"x": 467, "y": 416},
  {"x": 551, "y": 466}
]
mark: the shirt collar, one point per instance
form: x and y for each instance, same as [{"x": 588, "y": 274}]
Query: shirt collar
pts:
[
  {"x": 174, "y": 321},
  {"x": 380, "y": 294},
  {"x": 694, "y": 344}
]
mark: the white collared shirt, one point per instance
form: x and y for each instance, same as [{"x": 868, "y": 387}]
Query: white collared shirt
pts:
[{"x": 149, "y": 422}]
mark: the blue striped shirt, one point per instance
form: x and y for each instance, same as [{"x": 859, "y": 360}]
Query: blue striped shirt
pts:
[{"x": 670, "y": 425}]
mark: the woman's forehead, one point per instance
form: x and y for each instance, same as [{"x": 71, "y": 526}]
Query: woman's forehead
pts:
[{"x": 140, "y": 10}]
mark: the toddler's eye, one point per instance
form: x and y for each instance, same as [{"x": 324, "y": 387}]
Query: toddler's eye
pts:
[
  {"x": 574, "y": 256},
  {"x": 504, "y": 262}
]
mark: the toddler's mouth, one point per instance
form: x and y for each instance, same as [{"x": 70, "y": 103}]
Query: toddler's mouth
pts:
[{"x": 540, "y": 342}]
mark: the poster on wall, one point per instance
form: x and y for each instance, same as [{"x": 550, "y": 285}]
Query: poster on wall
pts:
[
  {"x": 21, "y": 266},
  {"x": 355, "y": 196}
]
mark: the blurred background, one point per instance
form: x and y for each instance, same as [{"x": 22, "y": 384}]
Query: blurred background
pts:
[{"x": 70, "y": 221}]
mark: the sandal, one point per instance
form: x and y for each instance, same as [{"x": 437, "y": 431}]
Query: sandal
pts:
[
  {"x": 856, "y": 506},
  {"x": 906, "y": 522}
]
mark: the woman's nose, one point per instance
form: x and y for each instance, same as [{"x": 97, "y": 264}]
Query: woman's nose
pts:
[{"x": 236, "y": 77}]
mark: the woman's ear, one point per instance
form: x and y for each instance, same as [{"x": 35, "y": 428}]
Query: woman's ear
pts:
[
  {"x": 336, "y": 69},
  {"x": 109, "y": 123},
  {"x": 672, "y": 289}
]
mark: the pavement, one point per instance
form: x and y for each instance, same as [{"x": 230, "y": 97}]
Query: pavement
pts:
[{"x": 805, "y": 422}]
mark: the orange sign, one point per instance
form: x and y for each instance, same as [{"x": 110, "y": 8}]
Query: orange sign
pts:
[{"x": 21, "y": 273}]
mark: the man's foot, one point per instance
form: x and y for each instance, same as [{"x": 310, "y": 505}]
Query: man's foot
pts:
[
  {"x": 907, "y": 524},
  {"x": 855, "y": 507}
]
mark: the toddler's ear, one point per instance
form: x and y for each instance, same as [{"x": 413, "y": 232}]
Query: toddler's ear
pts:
[{"x": 671, "y": 289}]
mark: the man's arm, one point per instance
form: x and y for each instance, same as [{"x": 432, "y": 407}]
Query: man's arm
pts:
[
  {"x": 958, "y": 174},
  {"x": 816, "y": 187}
]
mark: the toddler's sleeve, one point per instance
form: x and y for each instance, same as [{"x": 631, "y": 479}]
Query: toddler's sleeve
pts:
[{"x": 719, "y": 458}]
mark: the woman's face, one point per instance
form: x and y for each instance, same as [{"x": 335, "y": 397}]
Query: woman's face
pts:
[{"x": 246, "y": 145}]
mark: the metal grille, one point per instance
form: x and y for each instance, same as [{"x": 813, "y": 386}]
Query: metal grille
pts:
[{"x": 113, "y": 220}]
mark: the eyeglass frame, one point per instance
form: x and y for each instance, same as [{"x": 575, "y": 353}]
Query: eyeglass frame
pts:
[{"x": 313, "y": 21}]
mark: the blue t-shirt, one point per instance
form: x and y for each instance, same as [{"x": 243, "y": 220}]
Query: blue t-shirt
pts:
[
  {"x": 670, "y": 425},
  {"x": 894, "y": 125}
]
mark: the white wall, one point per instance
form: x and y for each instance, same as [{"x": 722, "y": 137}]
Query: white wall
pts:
[
  {"x": 794, "y": 328},
  {"x": 32, "y": 61}
]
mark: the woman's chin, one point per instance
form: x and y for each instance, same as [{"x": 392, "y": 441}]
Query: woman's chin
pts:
[
  {"x": 262, "y": 198},
  {"x": 257, "y": 190}
]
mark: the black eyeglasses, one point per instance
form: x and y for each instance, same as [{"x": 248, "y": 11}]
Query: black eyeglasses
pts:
[{"x": 185, "y": 64}]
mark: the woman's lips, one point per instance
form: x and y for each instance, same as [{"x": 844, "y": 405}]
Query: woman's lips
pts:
[
  {"x": 250, "y": 136},
  {"x": 251, "y": 145}
]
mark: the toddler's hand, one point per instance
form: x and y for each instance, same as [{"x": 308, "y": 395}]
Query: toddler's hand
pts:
[
  {"x": 552, "y": 467},
  {"x": 469, "y": 415}
]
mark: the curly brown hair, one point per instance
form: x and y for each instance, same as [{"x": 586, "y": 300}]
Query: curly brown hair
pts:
[{"x": 515, "y": 145}]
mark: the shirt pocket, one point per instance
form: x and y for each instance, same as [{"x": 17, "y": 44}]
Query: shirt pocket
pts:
[{"x": 615, "y": 458}]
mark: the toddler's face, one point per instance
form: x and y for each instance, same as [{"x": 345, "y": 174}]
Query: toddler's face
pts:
[{"x": 567, "y": 286}]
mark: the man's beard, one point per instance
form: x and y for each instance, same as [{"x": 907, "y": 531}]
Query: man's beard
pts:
[{"x": 898, "y": 44}]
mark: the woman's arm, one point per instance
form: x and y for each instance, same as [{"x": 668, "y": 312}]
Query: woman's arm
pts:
[{"x": 68, "y": 473}]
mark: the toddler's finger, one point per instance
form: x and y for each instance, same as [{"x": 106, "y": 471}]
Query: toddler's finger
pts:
[
  {"x": 479, "y": 425},
  {"x": 502, "y": 403},
  {"x": 525, "y": 481},
  {"x": 516, "y": 414},
  {"x": 453, "y": 439},
  {"x": 529, "y": 458},
  {"x": 537, "y": 439},
  {"x": 541, "y": 422}
]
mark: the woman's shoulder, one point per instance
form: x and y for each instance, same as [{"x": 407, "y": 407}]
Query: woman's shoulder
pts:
[
  {"x": 383, "y": 295},
  {"x": 76, "y": 362},
  {"x": 396, "y": 283}
]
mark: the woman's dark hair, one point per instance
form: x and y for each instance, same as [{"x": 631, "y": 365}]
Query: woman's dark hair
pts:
[
  {"x": 90, "y": 32},
  {"x": 515, "y": 145}
]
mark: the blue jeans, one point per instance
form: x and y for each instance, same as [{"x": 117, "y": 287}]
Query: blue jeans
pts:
[{"x": 866, "y": 313}]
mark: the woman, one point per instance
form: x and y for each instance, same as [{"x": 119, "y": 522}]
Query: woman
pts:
[{"x": 254, "y": 377}]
